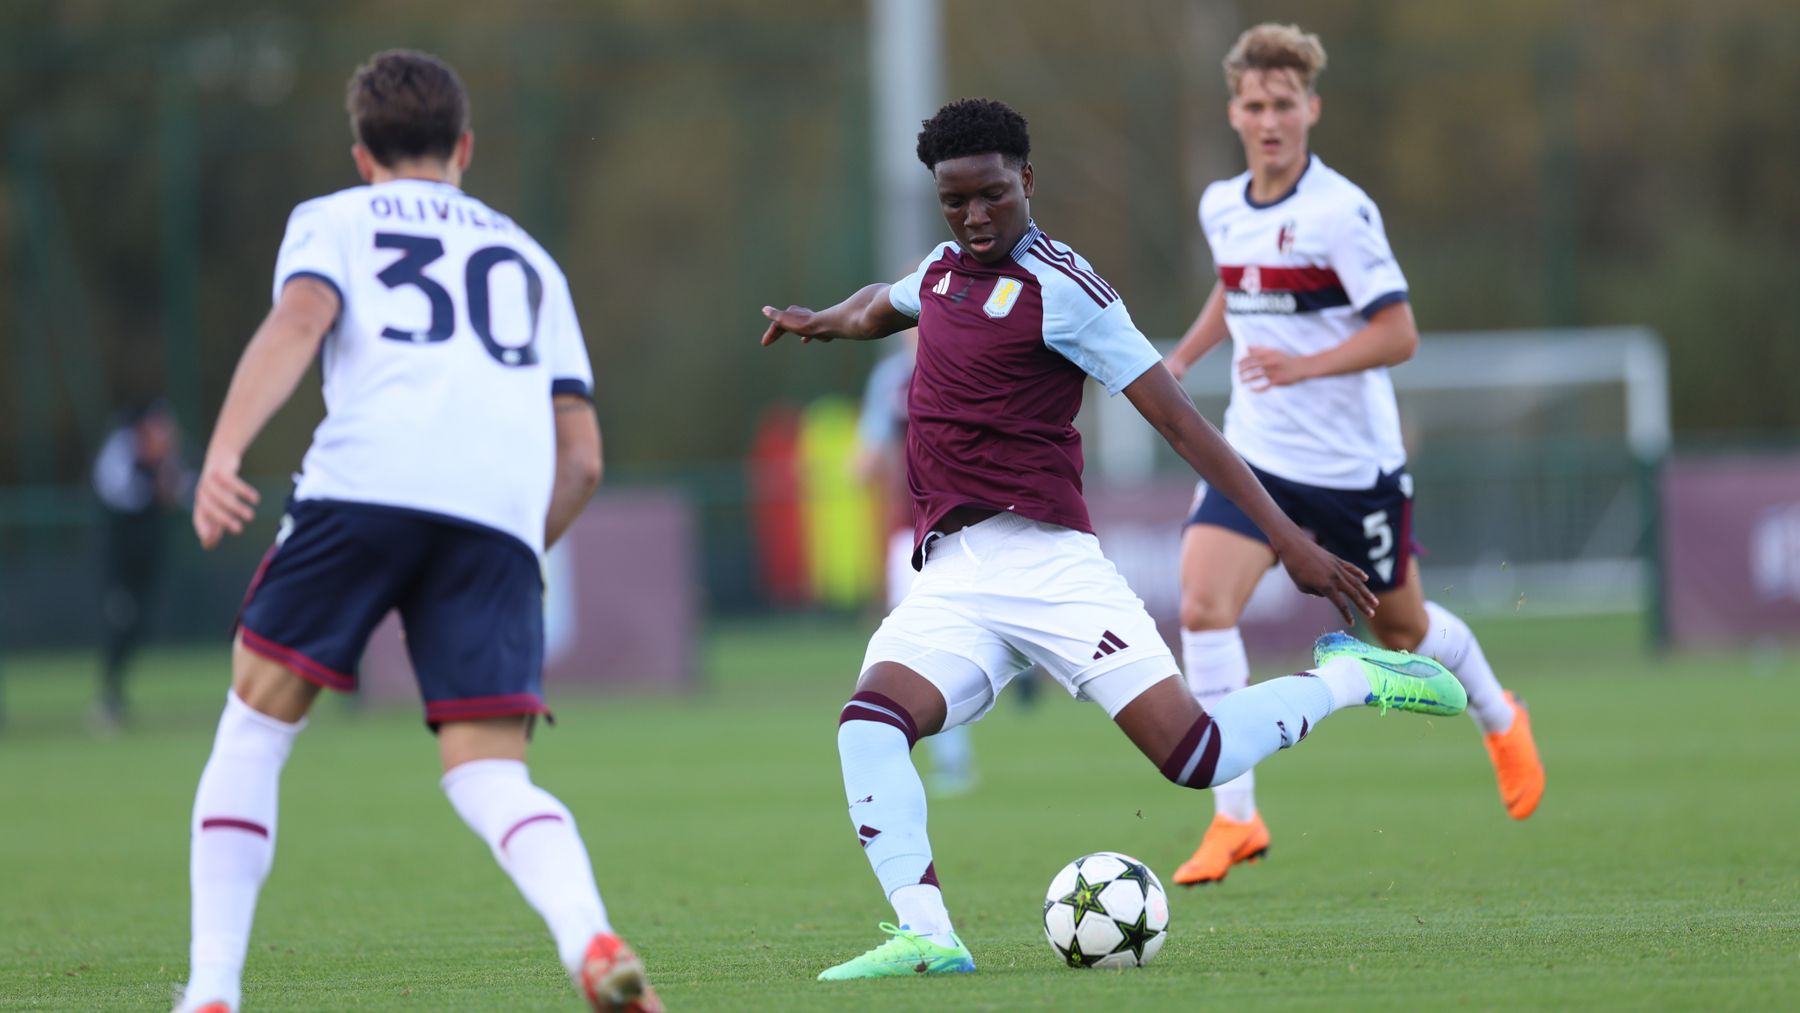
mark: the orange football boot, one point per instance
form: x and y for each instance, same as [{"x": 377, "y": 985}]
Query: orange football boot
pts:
[
  {"x": 214, "y": 1007},
  {"x": 1227, "y": 842},
  {"x": 612, "y": 978},
  {"x": 1516, "y": 763}
]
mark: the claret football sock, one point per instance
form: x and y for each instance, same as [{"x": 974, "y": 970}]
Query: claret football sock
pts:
[
  {"x": 1450, "y": 643},
  {"x": 534, "y": 839},
  {"x": 233, "y": 845},
  {"x": 1215, "y": 664}
]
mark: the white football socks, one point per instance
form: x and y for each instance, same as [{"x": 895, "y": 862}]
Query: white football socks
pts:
[
  {"x": 952, "y": 758},
  {"x": 534, "y": 839},
  {"x": 1349, "y": 686},
  {"x": 1449, "y": 641},
  {"x": 887, "y": 810},
  {"x": 232, "y": 846},
  {"x": 1215, "y": 664},
  {"x": 920, "y": 907},
  {"x": 1256, "y": 722}
]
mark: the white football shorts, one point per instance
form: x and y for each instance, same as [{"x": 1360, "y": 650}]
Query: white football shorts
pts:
[{"x": 1000, "y": 596}]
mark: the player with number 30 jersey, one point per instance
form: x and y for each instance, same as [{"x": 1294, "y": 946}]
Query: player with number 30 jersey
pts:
[
  {"x": 455, "y": 331},
  {"x": 459, "y": 442}
]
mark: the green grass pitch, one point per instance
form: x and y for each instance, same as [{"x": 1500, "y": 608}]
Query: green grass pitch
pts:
[{"x": 1662, "y": 871}]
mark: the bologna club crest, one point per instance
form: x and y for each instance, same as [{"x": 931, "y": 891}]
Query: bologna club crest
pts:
[{"x": 1284, "y": 240}]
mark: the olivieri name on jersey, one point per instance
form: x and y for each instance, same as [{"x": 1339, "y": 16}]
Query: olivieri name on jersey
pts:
[{"x": 451, "y": 211}]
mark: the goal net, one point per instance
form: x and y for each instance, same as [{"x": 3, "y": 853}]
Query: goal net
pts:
[{"x": 1533, "y": 455}]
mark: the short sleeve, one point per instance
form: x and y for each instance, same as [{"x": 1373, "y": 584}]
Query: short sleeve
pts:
[
  {"x": 1108, "y": 347},
  {"x": 1364, "y": 262},
  {"x": 565, "y": 349},
  {"x": 906, "y": 295},
  {"x": 312, "y": 248}
]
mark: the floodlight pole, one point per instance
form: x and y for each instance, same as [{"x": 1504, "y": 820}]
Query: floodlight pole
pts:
[{"x": 906, "y": 69}]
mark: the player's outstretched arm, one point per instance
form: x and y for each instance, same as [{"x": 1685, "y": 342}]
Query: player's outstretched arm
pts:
[
  {"x": 865, "y": 316},
  {"x": 1158, "y": 396},
  {"x": 1204, "y": 334},
  {"x": 1388, "y": 339},
  {"x": 578, "y": 464},
  {"x": 278, "y": 355}
]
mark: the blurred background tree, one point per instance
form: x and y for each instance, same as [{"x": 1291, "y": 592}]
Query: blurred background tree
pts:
[{"x": 1539, "y": 164}]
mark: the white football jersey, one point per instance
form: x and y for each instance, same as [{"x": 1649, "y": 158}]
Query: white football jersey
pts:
[
  {"x": 1301, "y": 275},
  {"x": 455, "y": 331}
]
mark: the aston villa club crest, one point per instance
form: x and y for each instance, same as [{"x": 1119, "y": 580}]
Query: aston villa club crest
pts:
[
  {"x": 1284, "y": 239},
  {"x": 1251, "y": 282},
  {"x": 1004, "y": 298}
]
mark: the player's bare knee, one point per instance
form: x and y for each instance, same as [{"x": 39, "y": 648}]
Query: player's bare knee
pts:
[
  {"x": 1402, "y": 634},
  {"x": 269, "y": 687},
  {"x": 1165, "y": 722},
  {"x": 498, "y": 738},
  {"x": 1202, "y": 611},
  {"x": 891, "y": 687}
]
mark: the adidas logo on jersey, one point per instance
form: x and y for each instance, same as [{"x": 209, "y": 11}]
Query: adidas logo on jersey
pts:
[
  {"x": 1109, "y": 643},
  {"x": 943, "y": 286}
]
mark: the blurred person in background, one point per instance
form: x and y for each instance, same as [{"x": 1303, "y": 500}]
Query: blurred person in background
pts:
[
  {"x": 138, "y": 476},
  {"x": 459, "y": 441},
  {"x": 1316, "y": 308}
]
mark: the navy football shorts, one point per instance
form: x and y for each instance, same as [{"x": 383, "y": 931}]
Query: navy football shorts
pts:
[
  {"x": 470, "y": 600},
  {"x": 1369, "y": 527}
]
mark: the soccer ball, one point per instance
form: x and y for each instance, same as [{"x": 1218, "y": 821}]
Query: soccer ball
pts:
[{"x": 1106, "y": 910}]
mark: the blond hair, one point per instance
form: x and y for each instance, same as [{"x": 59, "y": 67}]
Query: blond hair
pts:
[{"x": 1270, "y": 46}]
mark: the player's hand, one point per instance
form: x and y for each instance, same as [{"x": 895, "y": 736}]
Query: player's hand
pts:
[
  {"x": 1320, "y": 573},
  {"x": 793, "y": 320},
  {"x": 1262, "y": 368},
  {"x": 223, "y": 502}
]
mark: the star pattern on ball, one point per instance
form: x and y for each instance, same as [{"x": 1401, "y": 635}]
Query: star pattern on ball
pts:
[
  {"x": 1137, "y": 935},
  {"x": 1138, "y": 874},
  {"x": 1085, "y": 899},
  {"x": 1076, "y": 958}
]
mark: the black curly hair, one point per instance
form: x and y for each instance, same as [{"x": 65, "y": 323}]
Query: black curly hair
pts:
[{"x": 975, "y": 126}]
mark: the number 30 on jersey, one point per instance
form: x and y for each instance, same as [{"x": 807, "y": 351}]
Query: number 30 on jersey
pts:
[{"x": 417, "y": 252}]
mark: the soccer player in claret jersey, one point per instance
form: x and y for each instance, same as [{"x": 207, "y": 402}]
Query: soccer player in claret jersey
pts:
[
  {"x": 1011, "y": 325},
  {"x": 1316, "y": 308},
  {"x": 459, "y": 440}
]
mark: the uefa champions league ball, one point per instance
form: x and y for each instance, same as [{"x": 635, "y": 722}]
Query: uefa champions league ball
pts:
[{"x": 1106, "y": 910}]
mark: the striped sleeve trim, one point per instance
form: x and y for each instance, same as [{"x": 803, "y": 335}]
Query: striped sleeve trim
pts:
[{"x": 1064, "y": 261}]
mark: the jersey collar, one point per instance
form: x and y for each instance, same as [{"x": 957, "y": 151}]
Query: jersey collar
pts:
[
  {"x": 1292, "y": 190},
  {"x": 1025, "y": 241}
]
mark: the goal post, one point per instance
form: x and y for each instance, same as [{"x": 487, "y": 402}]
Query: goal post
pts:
[{"x": 1534, "y": 453}]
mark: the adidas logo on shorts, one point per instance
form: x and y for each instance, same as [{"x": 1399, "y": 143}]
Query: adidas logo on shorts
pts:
[{"x": 1109, "y": 642}]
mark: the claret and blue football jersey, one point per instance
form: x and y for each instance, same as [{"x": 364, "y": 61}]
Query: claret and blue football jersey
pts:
[{"x": 1004, "y": 351}]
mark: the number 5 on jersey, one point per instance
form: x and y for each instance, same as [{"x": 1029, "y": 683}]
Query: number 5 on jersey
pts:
[{"x": 418, "y": 252}]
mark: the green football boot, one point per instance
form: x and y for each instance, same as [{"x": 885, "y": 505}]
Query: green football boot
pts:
[
  {"x": 905, "y": 955},
  {"x": 1399, "y": 680}
]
